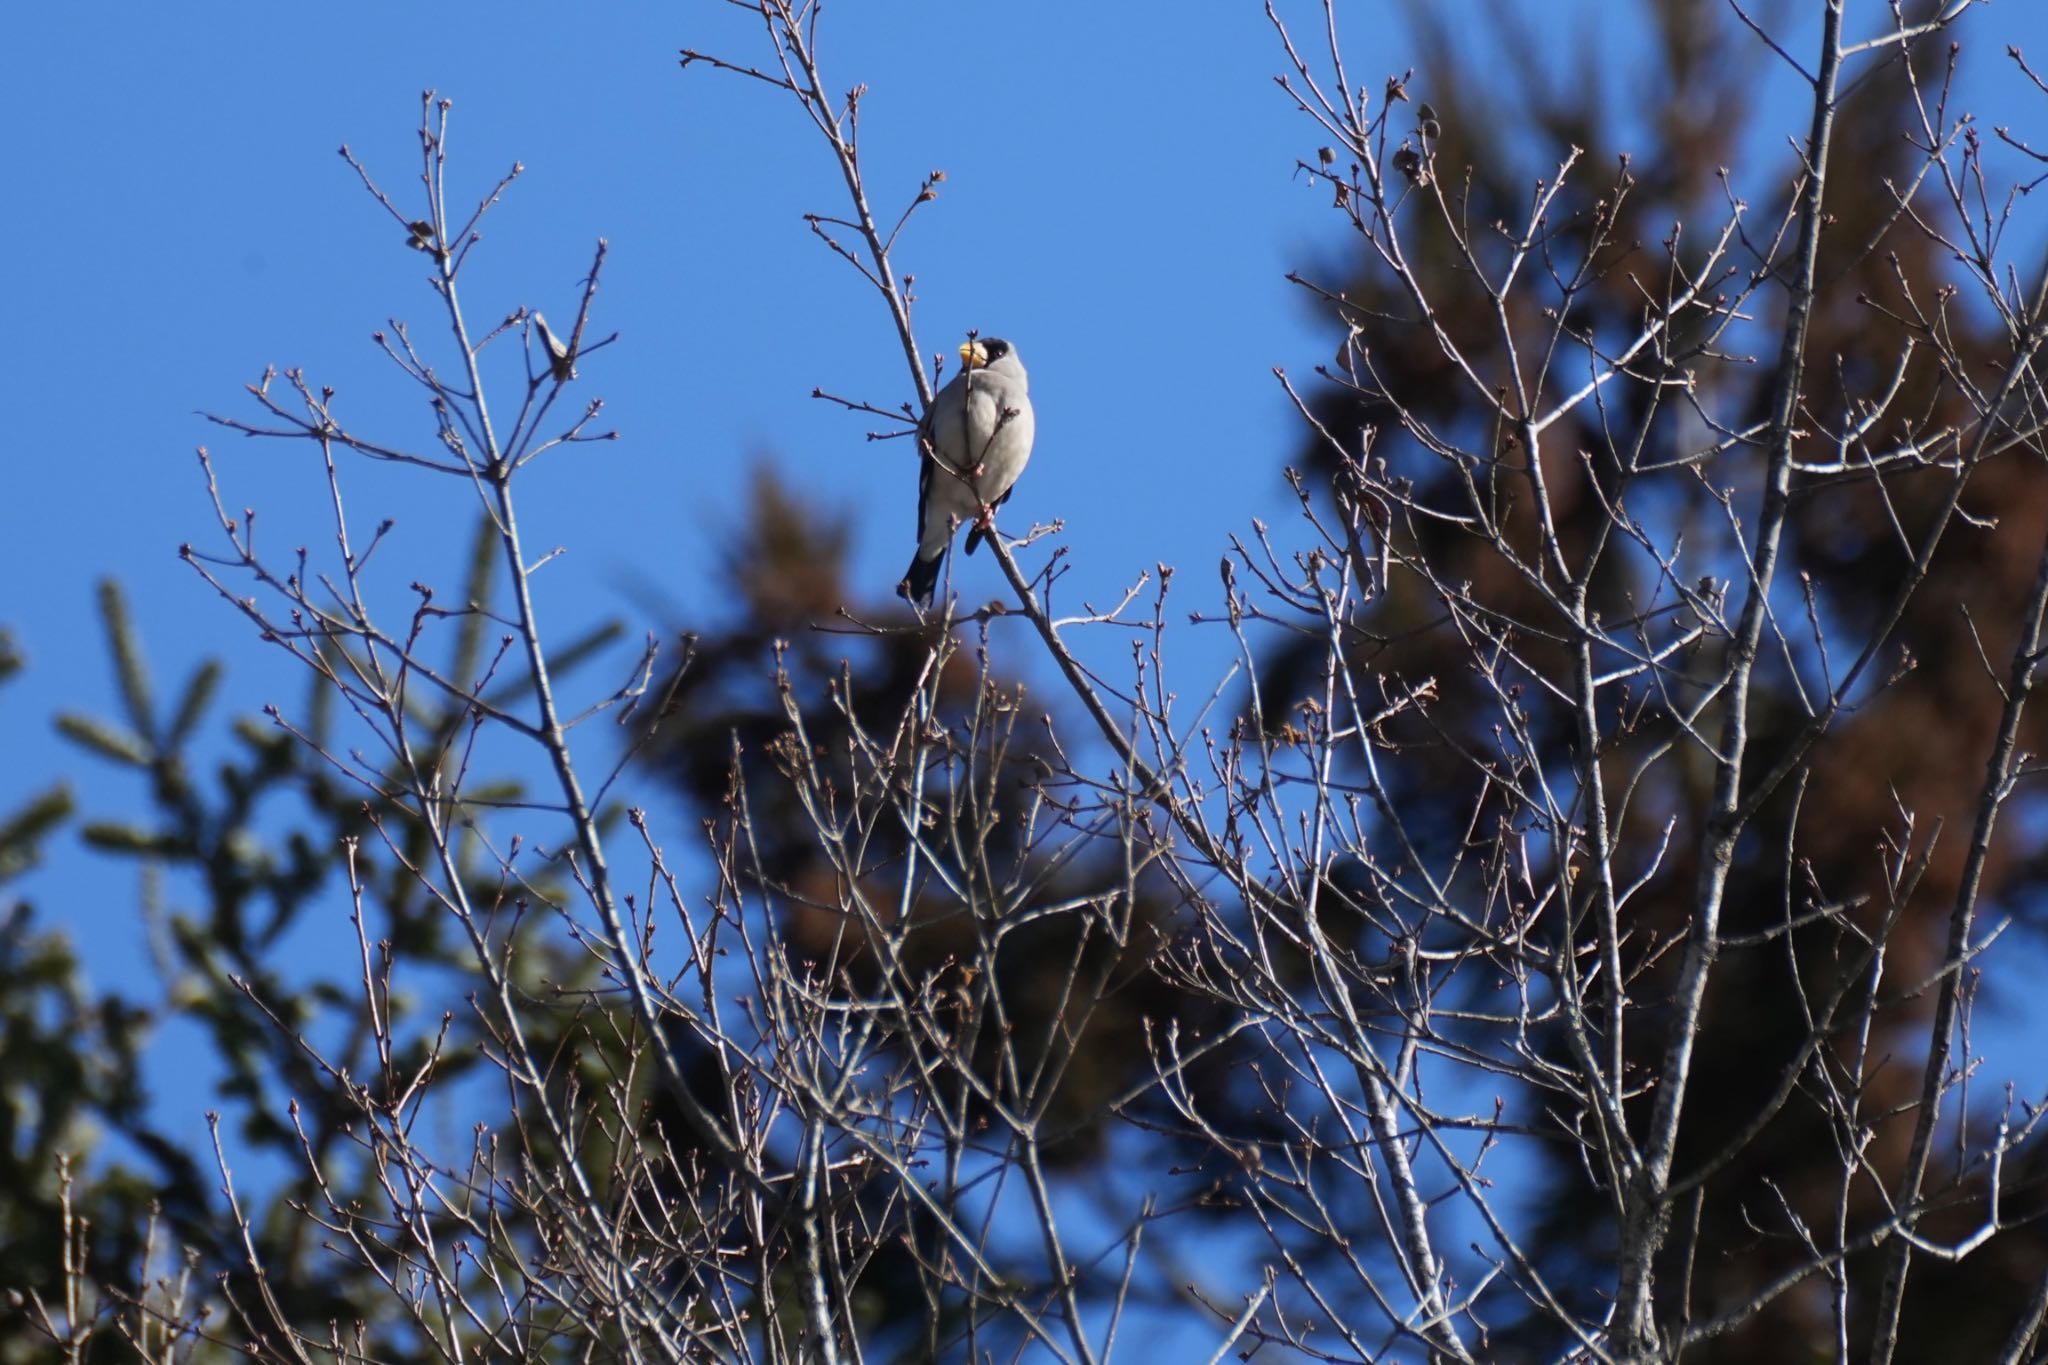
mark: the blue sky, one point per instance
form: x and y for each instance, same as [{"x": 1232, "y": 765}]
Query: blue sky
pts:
[{"x": 1120, "y": 200}]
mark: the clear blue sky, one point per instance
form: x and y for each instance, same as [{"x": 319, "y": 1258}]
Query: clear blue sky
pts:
[{"x": 1120, "y": 200}]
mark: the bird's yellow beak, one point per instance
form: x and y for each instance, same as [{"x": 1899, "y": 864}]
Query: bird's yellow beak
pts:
[{"x": 973, "y": 355}]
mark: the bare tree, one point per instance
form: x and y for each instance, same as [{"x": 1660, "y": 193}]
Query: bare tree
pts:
[{"x": 1548, "y": 785}]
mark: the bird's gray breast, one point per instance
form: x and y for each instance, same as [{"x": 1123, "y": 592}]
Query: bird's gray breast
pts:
[
  {"x": 999, "y": 426},
  {"x": 980, "y": 428}
]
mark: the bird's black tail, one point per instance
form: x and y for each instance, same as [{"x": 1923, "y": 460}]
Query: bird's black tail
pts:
[{"x": 922, "y": 578}]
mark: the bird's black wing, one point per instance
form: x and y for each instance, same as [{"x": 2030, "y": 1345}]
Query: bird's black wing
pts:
[
  {"x": 975, "y": 535},
  {"x": 922, "y": 577},
  {"x": 924, "y": 471}
]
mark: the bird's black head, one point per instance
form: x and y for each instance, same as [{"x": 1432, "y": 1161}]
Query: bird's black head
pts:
[{"x": 981, "y": 351}]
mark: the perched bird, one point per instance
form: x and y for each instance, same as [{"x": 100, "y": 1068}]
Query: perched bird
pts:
[
  {"x": 972, "y": 445},
  {"x": 561, "y": 360}
]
